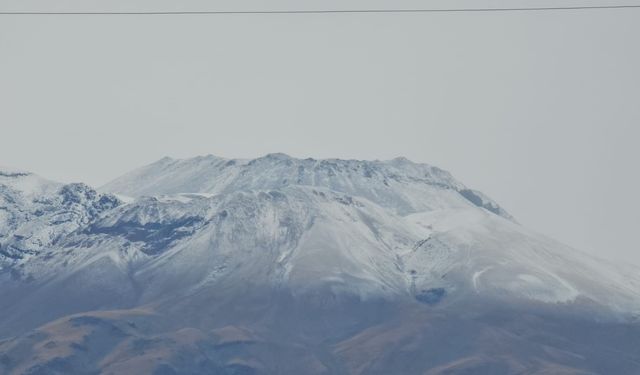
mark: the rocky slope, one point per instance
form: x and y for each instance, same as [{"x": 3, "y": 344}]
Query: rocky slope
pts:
[{"x": 35, "y": 213}]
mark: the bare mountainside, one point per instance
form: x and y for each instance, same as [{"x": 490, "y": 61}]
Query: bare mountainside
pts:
[{"x": 280, "y": 265}]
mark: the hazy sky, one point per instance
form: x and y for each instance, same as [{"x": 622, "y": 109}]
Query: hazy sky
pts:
[{"x": 539, "y": 110}]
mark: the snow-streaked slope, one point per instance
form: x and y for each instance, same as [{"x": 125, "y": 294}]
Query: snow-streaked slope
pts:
[
  {"x": 35, "y": 212},
  {"x": 487, "y": 254},
  {"x": 398, "y": 185},
  {"x": 307, "y": 240}
]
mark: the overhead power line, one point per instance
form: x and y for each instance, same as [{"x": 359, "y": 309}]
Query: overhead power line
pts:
[{"x": 325, "y": 11}]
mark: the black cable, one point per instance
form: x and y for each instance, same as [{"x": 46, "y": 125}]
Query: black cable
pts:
[{"x": 320, "y": 11}]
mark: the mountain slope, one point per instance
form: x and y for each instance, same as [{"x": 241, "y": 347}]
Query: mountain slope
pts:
[{"x": 280, "y": 265}]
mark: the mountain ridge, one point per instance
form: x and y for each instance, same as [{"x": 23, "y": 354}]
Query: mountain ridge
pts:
[{"x": 371, "y": 179}]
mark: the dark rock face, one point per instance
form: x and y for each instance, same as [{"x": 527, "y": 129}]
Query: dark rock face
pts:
[
  {"x": 477, "y": 199},
  {"x": 81, "y": 194},
  {"x": 155, "y": 236},
  {"x": 431, "y": 296}
]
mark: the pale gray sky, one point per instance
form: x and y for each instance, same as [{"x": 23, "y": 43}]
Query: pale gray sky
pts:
[{"x": 538, "y": 110}]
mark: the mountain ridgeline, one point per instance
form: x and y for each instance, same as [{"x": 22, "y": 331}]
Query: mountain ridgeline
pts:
[{"x": 280, "y": 265}]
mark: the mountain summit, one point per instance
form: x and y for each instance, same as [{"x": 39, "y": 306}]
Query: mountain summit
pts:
[
  {"x": 398, "y": 185},
  {"x": 280, "y": 265}
]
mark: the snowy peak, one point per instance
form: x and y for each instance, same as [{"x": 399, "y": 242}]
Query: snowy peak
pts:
[
  {"x": 26, "y": 183},
  {"x": 398, "y": 184},
  {"x": 9, "y": 171}
]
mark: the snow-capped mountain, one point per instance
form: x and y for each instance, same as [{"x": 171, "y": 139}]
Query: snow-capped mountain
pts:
[
  {"x": 420, "y": 226},
  {"x": 284, "y": 265}
]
